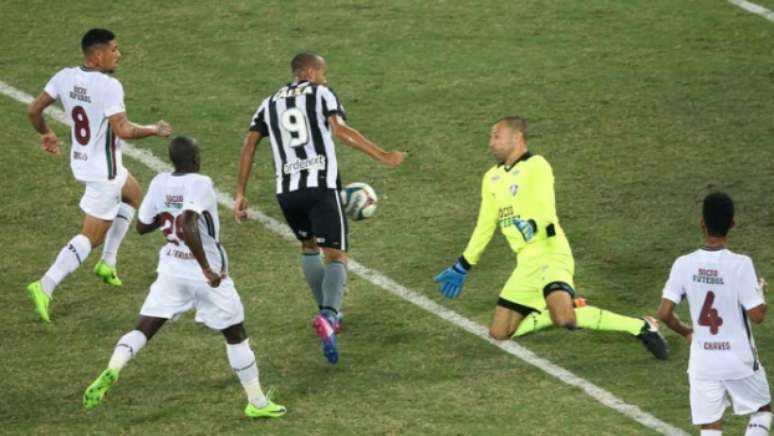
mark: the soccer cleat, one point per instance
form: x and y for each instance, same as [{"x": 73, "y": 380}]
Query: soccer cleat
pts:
[
  {"x": 108, "y": 274},
  {"x": 40, "y": 299},
  {"x": 96, "y": 391},
  {"x": 270, "y": 410},
  {"x": 338, "y": 323},
  {"x": 652, "y": 339},
  {"x": 327, "y": 337}
]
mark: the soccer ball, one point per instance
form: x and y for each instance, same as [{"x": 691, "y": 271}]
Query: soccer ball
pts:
[{"x": 359, "y": 201}]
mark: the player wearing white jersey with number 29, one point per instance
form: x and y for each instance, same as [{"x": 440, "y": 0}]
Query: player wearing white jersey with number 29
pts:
[
  {"x": 93, "y": 103},
  {"x": 723, "y": 295},
  {"x": 192, "y": 273}
]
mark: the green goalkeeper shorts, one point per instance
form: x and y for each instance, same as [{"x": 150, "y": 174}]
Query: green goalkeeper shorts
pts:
[{"x": 526, "y": 284}]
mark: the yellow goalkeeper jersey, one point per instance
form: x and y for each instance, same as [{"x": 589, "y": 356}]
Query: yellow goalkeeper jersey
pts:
[{"x": 524, "y": 190}]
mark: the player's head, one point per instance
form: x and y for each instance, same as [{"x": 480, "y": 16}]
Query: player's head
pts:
[
  {"x": 717, "y": 214},
  {"x": 184, "y": 154},
  {"x": 100, "y": 50},
  {"x": 508, "y": 138},
  {"x": 310, "y": 66}
]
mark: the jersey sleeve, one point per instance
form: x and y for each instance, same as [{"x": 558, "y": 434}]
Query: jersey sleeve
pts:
[
  {"x": 749, "y": 296},
  {"x": 541, "y": 196},
  {"x": 52, "y": 87},
  {"x": 258, "y": 122},
  {"x": 114, "y": 98},
  {"x": 199, "y": 195},
  {"x": 330, "y": 103},
  {"x": 674, "y": 289},
  {"x": 148, "y": 212},
  {"x": 485, "y": 226}
]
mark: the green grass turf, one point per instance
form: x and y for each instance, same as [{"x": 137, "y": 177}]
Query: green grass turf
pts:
[{"x": 640, "y": 106}]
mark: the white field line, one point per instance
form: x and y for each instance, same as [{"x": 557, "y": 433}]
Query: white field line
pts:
[
  {"x": 147, "y": 158},
  {"x": 754, "y": 8}
]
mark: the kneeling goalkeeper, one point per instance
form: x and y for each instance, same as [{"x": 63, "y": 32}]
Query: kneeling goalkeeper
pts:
[{"x": 517, "y": 195}]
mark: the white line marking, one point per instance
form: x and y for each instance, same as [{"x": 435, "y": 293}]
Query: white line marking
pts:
[
  {"x": 417, "y": 299},
  {"x": 754, "y": 8}
]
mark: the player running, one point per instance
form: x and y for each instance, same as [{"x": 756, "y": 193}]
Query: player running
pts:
[
  {"x": 517, "y": 195},
  {"x": 192, "y": 273},
  {"x": 724, "y": 295},
  {"x": 93, "y": 100},
  {"x": 301, "y": 119}
]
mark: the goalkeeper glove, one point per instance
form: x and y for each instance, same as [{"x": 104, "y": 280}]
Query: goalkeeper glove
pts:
[
  {"x": 525, "y": 227},
  {"x": 452, "y": 279}
]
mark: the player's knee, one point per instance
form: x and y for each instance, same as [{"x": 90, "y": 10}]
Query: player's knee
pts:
[
  {"x": 334, "y": 255},
  {"x": 499, "y": 334},
  {"x": 235, "y": 334},
  {"x": 309, "y": 246},
  {"x": 565, "y": 321}
]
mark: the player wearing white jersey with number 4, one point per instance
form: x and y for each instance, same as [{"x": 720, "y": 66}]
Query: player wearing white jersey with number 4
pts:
[
  {"x": 192, "y": 273},
  {"x": 723, "y": 295},
  {"x": 93, "y": 102}
]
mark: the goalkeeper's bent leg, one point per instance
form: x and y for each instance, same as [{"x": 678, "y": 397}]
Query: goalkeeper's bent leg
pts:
[{"x": 587, "y": 317}]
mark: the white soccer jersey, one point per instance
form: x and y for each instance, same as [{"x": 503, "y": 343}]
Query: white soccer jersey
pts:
[
  {"x": 89, "y": 97},
  {"x": 168, "y": 196},
  {"x": 720, "y": 287}
]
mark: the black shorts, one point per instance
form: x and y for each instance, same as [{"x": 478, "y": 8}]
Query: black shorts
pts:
[{"x": 316, "y": 213}]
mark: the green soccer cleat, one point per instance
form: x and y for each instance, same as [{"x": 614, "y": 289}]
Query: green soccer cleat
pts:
[
  {"x": 270, "y": 410},
  {"x": 108, "y": 274},
  {"x": 96, "y": 391},
  {"x": 40, "y": 299}
]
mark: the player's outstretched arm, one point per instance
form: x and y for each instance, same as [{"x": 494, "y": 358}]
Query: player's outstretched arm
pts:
[
  {"x": 143, "y": 228},
  {"x": 358, "y": 141},
  {"x": 194, "y": 242},
  {"x": 126, "y": 129},
  {"x": 666, "y": 312},
  {"x": 245, "y": 166},
  {"x": 49, "y": 141}
]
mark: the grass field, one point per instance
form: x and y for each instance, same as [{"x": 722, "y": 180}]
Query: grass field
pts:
[{"x": 640, "y": 106}]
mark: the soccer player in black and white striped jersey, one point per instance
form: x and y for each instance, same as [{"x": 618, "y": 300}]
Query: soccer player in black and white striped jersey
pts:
[{"x": 301, "y": 119}]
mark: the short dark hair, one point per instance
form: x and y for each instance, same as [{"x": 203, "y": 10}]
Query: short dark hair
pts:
[
  {"x": 304, "y": 60},
  {"x": 96, "y": 37},
  {"x": 515, "y": 122},
  {"x": 183, "y": 150},
  {"x": 718, "y": 213}
]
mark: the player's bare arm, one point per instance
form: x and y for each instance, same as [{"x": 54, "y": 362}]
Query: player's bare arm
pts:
[
  {"x": 666, "y": 312},
  {"x": 757, "y": 314},
  {"x": 49, "y": 141},
  {"x": 126, "y": 129},
  {"x": 194, "y": 242},
  {"x": 358, "y": 141},
  {"x": 245, "y": 166},
  {"x": 143, "y": 228}
]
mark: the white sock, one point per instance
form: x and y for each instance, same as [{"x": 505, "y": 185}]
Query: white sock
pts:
[
  {"x": 69, "y": 259},
  {"x": 242, "y": 361},
  {"x": 759, "y": 425},
  {"x": 116, "y": 233},
  {"x": 128, "y": 346},
  {"x": 711, "y": 433}
]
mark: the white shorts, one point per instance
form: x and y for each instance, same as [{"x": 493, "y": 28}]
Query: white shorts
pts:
[
  {"x": 709, "y": 398},
  {"x": 102, "y": 199},
  {"x": 218, "y": 308}
]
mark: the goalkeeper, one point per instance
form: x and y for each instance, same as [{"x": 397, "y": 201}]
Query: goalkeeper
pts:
[{"x": 517, "y": 195}]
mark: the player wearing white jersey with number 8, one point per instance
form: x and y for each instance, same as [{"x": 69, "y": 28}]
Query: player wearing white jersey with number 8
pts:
[
  {"x": 93, "y": 102},
  {"x": 724, "y": 295}
]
